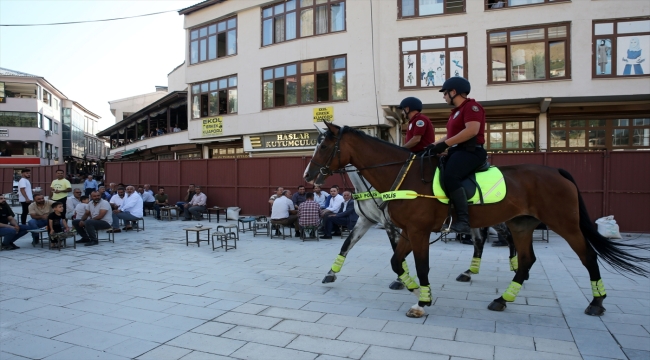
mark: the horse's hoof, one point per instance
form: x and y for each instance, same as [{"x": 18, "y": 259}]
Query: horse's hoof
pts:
[
  {"x": 396, "y": 285},
  {"x": 330, "y": 278},
  {"x": 594, "y": 310},
  {"x": 415, "y": 312},
  {"x": 497, "y": 305},
  {"x": 463, "y": 278}
]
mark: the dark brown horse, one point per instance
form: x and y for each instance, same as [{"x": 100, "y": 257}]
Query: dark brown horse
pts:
[{"x": 534, "y": 193}]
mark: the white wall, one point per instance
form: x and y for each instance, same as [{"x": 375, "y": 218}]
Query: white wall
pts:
[
  {"x": 359, "y": 110},
  {"x": 176, "y": 80},
  {"x": 133, "y": 103}
]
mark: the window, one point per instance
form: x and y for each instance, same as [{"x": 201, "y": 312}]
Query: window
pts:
[
  {"x": 48, "y": 151},
  {"x": 2, "y": 93},
  {"x": 19, "y": 119},
  {"x": 428, "y": 62},
  {"x": 293, "y": 19},
  {"x": 599, "y": 134},
  {"x": 305, "y": 82},
  {"x": 47, "y": 97},
  {"x": 56, "y": 153},
  {"x": 500, "y": 4},
  {"x": 194, "y": 155},
  {"x": 415, "y": 8},
  {"x": 510, "y": 135},
  {"x": 625, "y": 40},
  {"x": 213, "y": 41},
  {"x": 214, "y": 97},
  {"x": 56, "y": 127},
  {"x": 55, "y": 103},
  {"x": 526, "y": 54}
]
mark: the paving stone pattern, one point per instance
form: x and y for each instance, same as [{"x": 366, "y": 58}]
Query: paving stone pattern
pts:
[{"x": 148, "y": 296}]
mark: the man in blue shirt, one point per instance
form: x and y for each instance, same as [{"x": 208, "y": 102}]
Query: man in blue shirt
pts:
[{"x": 90, "y": 185}]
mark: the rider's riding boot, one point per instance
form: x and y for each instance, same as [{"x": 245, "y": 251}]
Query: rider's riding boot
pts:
[{"x": 459, "y": 199}]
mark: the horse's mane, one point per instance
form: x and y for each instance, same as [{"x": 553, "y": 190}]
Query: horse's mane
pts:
[{"x": 347, "y": 129}]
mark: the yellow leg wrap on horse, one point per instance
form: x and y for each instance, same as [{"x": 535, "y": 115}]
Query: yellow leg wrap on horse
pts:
[
  {"x": 425, "y": 293},
  {"x": 514, "y": 263},
  {"x": 338, "y": 263},
  {"x": 408, "y": 281},
  {"x": 511, "y": 292},
  {"x": 405, "y": 266},
  {"x": 598, "y": 288},
  {"x": 475, "y": 265}
]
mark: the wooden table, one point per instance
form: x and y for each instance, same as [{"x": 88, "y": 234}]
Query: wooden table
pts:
[
  {"x": 216, "y": 210},
  {"x": 197, "y": 231}
]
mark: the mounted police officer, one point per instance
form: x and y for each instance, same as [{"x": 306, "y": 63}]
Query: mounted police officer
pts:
[
  {"x": 465, "y": 138},
  {"x": 420, "y": 131}
]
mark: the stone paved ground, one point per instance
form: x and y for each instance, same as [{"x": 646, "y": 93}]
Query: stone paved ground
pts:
[{"x": 148, "y": 296}]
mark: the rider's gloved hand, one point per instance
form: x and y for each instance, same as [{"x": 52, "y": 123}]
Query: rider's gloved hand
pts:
[{"x": 437, "y": 148}]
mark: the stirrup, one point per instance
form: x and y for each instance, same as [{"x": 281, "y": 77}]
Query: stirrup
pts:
[{"x": 446, "y": 230}]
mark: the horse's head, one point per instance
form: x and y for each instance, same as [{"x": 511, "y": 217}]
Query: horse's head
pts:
[{"x": 327, "y": 155}]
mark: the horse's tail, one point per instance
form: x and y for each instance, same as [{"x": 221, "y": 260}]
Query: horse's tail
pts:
[{"x": 613, "y": 253}]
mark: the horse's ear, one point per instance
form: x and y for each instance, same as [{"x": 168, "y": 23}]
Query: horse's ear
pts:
[
  {"x": 333, "y": 128},
  {"x": 320, "y": 131}
]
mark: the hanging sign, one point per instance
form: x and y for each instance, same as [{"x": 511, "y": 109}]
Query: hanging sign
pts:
[
  {"x": 212, "y": 127},
  {"x": 322, "y": 114}
]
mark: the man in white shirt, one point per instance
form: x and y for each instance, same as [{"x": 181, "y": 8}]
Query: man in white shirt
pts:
[
  {"x": 147, "y": 199},
  {"x": 130, "y": 210},
  {"x": 117, "y": 199},
  {"x": 72, "y": 202},
  {"x": 25, "y": 195},
  {"x": 98, "y": 217},
  {"x": 284, "y": 211},
  {"x": 335, "y": 202}
]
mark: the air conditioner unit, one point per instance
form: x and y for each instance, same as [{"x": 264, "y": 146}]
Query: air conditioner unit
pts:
[
  {"x": 48, "y": 132},
  {"x": 372, "y": 131}
]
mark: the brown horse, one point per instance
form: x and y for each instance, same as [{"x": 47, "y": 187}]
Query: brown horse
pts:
[{"x": 535, "y": 193}]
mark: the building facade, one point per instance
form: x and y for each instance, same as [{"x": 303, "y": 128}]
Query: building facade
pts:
[
  {"x": 39, "y": 125},
  {"x": 552, "y": 75}
]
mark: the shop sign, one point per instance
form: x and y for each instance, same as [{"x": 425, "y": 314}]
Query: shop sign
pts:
[
  {"x": 284, "y": 140},
  {"x": 4, "y": 132},
  {"x": 212, "y": 127},
  {"x": 322, "y": 114}
]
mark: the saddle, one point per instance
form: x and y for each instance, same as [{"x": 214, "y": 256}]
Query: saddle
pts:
[{"x": 485, "y": 185}]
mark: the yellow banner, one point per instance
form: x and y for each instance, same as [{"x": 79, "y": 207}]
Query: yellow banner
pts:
[
  {"x": 322, "y": 114},
  {"x": 212, "y": 127}
]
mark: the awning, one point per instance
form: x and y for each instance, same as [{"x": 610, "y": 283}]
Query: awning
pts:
[{"x": 130, "y": 151}]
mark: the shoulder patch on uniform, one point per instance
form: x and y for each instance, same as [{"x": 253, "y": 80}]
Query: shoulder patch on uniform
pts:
[
  {"x": 420, "y": 123},
  {"x": 475, "y": 108}
]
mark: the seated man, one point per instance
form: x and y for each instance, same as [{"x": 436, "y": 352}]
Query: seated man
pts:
[
  {"x": 320, "y": 196},
  {"x": 39, "y": 210},
  {"x": 147, "y": 199},
  {"x": 196, "y": 206},
  {"x": 284, "y": 211},
  {"x": 278, "y": 193},
  {"x": 346, "y": 216},
  {"x": 299, "y": 197},
  {"x": 117, "y": 199},
  {"x": 9, "y": 228},
  {"x": 105, "y": 194},
  {"x": 72, "y": 202},
  {"x": 335, "y": 202},
  {"x": 98, "y": 217},
  {"x": 188, "y": 198},
  {"x": 130, "y": 210},
  {"x": 309, "y": 213},
  {"x": 161, "y": 201}
]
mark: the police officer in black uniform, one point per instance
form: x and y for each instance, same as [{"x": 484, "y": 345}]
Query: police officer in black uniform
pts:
[{"x": 465, "y": 138}]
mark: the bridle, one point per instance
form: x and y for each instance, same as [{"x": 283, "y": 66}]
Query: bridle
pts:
[{"x": 325, "y": 169}]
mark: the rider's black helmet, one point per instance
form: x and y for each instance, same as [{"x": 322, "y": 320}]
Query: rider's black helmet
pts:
[
  {"x": 412, "y": 103},
  {"x": 460, "y": 84}
]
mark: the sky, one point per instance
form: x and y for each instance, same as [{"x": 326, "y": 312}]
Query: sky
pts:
[{"x": 94, "y": 63}]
